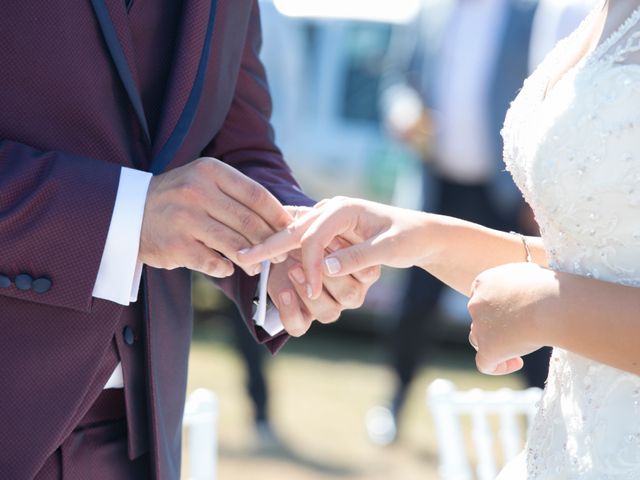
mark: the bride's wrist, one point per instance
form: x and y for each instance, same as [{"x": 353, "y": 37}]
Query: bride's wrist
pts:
[
  {"x": 548, "y": 324},
  {"x": 427, "y": 238}
]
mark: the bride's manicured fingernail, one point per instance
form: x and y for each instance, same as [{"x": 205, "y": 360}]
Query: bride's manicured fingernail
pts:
[
  {"x": 333, "y": 265},
  {"x": 279, "y": 258},
  {"x": 309, "y": 291},
  {"x": 244, "y": 251}
]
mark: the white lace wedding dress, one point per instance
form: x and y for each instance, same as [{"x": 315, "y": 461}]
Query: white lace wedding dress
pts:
[{"x": 575, "y": 154}]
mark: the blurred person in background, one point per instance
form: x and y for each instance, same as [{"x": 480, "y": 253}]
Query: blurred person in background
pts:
[
  {"x": 554, "y": 20},
  {"x": 469, "y": 60}
]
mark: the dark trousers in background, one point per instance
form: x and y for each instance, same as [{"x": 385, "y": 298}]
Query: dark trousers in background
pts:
[
  {"x": 414, "y": 333},
  {"x": 253, "y": 356}
]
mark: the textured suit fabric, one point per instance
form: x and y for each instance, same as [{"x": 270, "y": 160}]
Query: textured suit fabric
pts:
[
  {"x": 153, "y": 34},
  {"x": 70, "y": 120},
  {"x": 132, "y": 355},
  {"x": 97, "y": 447}
]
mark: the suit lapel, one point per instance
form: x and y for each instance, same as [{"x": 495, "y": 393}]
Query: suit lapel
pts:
[
  {"x": 186, "y": 80},
  {"x": 118, "y": 39}
]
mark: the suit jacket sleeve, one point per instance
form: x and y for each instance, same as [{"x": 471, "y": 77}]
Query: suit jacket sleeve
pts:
[
  {"x": 246, "y": 141},
  {"x": 55, "y": 211}
]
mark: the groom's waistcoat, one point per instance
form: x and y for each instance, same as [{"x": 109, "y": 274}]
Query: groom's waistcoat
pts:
[
  {"x": 152, "y": 27},
  {"x": 74, "y": 113}
]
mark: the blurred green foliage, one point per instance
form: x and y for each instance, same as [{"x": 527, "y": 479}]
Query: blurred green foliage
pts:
[{"x": 204, "y": 294}]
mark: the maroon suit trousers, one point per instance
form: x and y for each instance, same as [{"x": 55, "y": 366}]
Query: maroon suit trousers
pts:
[{"x": 97, "y": 448}]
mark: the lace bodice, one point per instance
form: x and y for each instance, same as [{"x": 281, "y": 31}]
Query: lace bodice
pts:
[{"x": 575, "y": 154}]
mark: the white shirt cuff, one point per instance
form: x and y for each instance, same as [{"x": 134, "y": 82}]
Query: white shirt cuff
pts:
[
  {"x": 120, "y": 271},
  {"x": 266, "y": 316}
]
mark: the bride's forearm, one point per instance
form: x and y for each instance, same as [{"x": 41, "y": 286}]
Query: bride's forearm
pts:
[
  {"x": 595, "y": 319},
  {"x": 457, "y": 251}
]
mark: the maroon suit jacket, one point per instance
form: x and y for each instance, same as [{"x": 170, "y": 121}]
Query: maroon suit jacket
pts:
[{"x": 70, "y": 118}]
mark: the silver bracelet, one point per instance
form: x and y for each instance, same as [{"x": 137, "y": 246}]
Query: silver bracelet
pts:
[{"x": 526, "y": 246}]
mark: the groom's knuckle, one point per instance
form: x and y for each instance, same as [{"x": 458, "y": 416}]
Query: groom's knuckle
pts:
[
  {"x": 248, "y": 222},
  {"x": 236, "y": 243},
  {"x": 203, "y": 165},
  {"x": 255, "y": 194},
  {"x": 213, "y": 229}
]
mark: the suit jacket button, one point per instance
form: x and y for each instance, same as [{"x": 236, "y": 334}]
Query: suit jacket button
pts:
[
  {"x": 127, "y": 333},
  {"x": 24, "y": 282},
  {"x": 5, "y": 282},
  {"x": 41, "y": 285}
]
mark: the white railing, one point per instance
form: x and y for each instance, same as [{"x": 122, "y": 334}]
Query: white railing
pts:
[
  {"x": 448, "y": 406},
  {"x": 201, "y": 420}
]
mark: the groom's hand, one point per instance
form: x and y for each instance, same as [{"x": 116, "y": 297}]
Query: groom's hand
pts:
[{"x": 200, "y": 215}]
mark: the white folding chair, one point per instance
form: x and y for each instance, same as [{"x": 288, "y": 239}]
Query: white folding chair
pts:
[
  {"x": 448, "y": 406},
  {"x": 201, "y": 419}
]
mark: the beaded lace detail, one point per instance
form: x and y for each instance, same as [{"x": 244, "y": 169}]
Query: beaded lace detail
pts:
[{"x": 574, "y": 151}]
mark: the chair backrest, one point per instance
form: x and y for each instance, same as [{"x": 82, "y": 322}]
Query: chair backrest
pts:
[
  {"x": 448, "y": 406},
  {"x": 201, "y": 420}
]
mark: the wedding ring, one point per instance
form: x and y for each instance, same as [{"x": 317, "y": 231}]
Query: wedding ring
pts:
[{"x": 475, "y": 347}]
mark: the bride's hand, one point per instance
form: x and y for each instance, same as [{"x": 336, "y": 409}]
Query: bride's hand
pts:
[
  {"x": 507, "y": 306},
  {"x": 379, "y": 234}
]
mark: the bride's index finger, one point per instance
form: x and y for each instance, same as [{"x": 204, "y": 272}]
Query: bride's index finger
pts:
[
  {"x": 319, "y": 235},
  {"x": 279, "y": 244}
]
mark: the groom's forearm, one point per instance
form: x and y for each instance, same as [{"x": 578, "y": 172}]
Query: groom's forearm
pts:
[{"x": 457, "y": 251}]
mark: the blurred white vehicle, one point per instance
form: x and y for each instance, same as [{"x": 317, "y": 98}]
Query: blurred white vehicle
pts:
[{"x": 325, "y": 64}]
